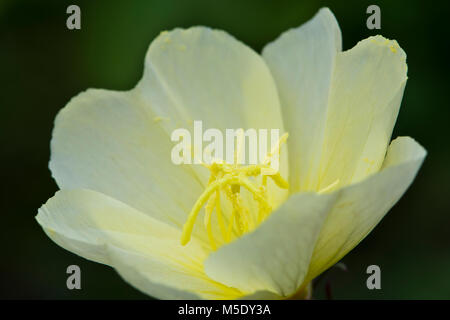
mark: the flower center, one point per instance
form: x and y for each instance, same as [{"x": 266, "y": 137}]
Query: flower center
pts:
[{"x": 229, "y": 179}]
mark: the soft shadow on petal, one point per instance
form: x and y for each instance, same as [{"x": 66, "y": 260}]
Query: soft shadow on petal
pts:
[
  {"x": 105, "y": 230},
  {"x": 361, "y": 206},
  {"x": 275, "y": 257},
  {"x": 262, "y": 295}
]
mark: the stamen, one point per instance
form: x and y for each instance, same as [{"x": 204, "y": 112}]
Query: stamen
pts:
[
  {"x": 208, "y": 212},
  {"x": 229, "y": 178},
  {"x": 329, "y": 187},
  {"x": 189, "y": 225},
  {"x": 219, "y": 215},
  {"x": 277, "y": 148}
]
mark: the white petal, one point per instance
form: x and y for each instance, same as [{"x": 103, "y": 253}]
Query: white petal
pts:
[
  {"x": 107, "y": 141},
  {"x": 365, "y": 97},
  {"x": 171, "y": 283},
  {"x": 340, "y": 107},
  {"x": 361, "y": 206},
  {"x": 137, "y": 271},
  {"x": 205, "y": 74},
  {"x": 302, "y": 62},
  {"x": 105, "y": 230},
  {"x": 275, "y": 257}
]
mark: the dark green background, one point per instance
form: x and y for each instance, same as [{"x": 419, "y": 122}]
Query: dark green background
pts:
[{"x": 43, "y": 64}]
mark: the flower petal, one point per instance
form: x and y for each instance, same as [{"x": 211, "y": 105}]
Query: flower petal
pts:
[
  {"x": 205, "y": 74},
  {"x": 275, "y": 257},
  {"x": 340, "y": 106},
  {"x": 368, "y": 83},
  {"x": 302, "y": 62},
  {"x": 107, "y": 141},
  {"x": 105, "y": 230},
  {"x": 172, "y": 283},
  {"x": 361, "y": 206},
  {"x": 137, "y": 271}
]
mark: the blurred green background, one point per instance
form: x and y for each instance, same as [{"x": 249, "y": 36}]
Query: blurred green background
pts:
[{"x": 43, "y": 65}]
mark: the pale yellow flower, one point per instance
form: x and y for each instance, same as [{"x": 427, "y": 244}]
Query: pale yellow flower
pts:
[{"x": 124, "y": 203}]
